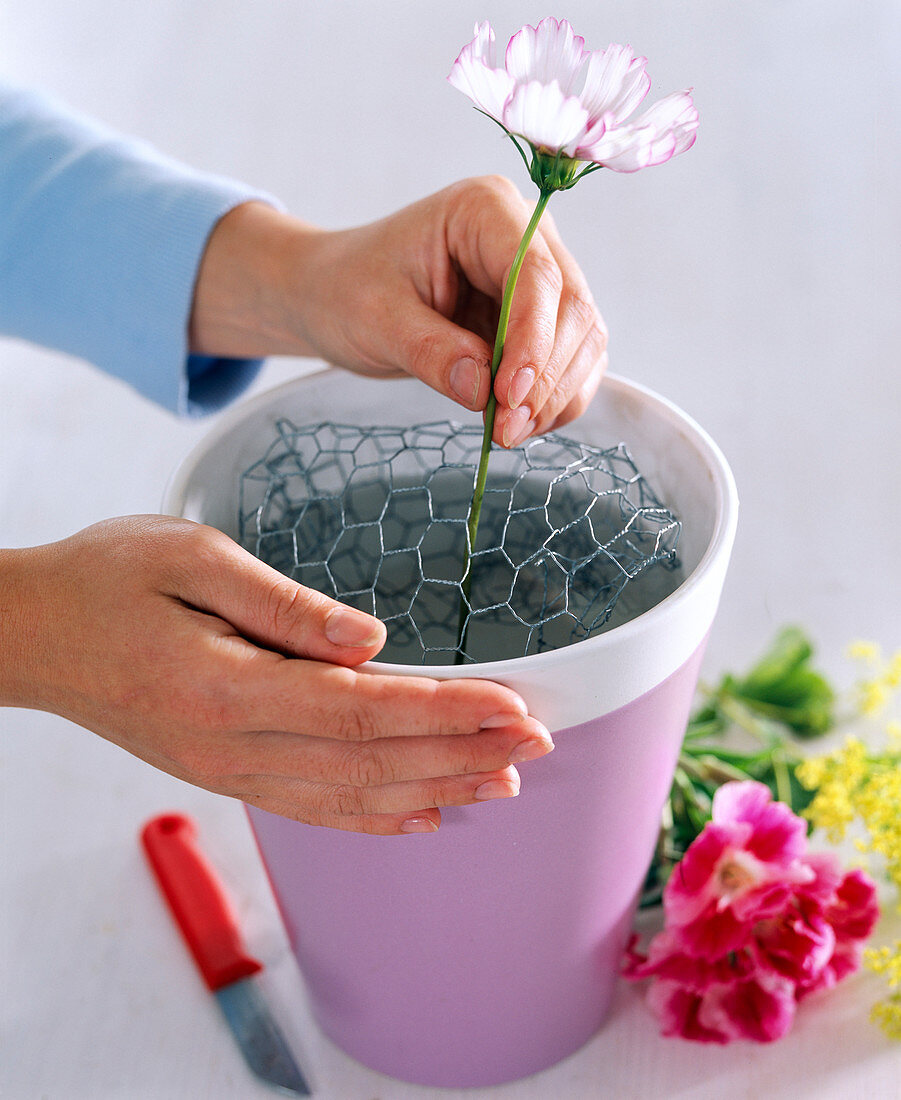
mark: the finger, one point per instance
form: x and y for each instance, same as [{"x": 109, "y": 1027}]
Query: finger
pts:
[
  {"x": 524, "y": 391},
  {"x": 374, "y": 763},
  {"x": 573, "y": 391},
  {"x": 447, "y": 357},
  {"x": 344, "y": 800},
  {"x": 542, "y": 281},
  {"x": 322, "y": 700},
  {"x": 581, "y": 400},
  {"x": 268, "y": 608},
  {"x": 486, "y": 221},
  {"x": 533, "y": 333},
  {"x": 580, "y": 352},
  {"x": 425, "y": 820},
  {"x": 581, "y": 377}
]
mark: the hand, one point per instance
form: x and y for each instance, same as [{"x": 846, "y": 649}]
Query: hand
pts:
[
  {"x": 418, "y": 293},
  {"x": 166, "y": 638}
]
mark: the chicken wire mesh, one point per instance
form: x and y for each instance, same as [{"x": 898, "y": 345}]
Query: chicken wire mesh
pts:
[{"x": 572, "y": 539}]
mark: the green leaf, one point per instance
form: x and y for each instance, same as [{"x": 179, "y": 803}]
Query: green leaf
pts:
[
  {"x": 784, "y": 688},
  {"x": 788, "y": 651}
]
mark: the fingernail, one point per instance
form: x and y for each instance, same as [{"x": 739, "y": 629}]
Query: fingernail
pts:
[
  {"x": 504, "y": 718},
  {"x": 465, "y": 379},
  {"x": 530, "y": 750},
  {"x": 343, "y": 626},
  {"x": 522, "y": 382},
  {"x": 518, "y": 426},
  {"x": 496, "y": 788},
  {"x": 419, "y": 825}
]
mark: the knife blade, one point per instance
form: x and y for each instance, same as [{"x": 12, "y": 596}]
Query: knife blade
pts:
[{"x": 202, "y": 912}]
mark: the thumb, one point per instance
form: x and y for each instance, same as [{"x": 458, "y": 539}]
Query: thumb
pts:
[
  {"x": 450, "y": 359},
  {"x": 273, "y": 611}
]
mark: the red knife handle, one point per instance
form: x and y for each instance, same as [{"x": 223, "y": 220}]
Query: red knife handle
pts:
[{"x": 197, "y": 900}]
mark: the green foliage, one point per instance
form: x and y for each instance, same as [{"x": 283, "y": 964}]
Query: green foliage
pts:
[{"x": 783, "y": 687}]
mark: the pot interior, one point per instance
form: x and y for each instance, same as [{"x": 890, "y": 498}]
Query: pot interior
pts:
[
  {"x": 572, "y": 541},
  {"x": 667, "y": 448}
]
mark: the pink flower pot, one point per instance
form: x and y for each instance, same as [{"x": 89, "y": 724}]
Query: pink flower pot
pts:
[{"x": 490, "y": 950}]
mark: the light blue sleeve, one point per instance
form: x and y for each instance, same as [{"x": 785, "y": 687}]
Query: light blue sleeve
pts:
[{"x": 100, "y": 242}]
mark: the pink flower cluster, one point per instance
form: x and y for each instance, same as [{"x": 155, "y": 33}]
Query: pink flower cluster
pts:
[{"x": 753, "y": 924}]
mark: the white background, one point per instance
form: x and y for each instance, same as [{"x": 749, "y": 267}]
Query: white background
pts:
[{"x": 754, "y": 281}]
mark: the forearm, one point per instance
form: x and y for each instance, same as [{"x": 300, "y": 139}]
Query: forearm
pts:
[{"x": 101, "y": 237}]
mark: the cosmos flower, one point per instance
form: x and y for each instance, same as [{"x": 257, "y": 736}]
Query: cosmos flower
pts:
[{"x": 573, "y": 105}]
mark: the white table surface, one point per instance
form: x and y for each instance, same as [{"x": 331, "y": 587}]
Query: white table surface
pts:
[{"x": 755, "y": 282}]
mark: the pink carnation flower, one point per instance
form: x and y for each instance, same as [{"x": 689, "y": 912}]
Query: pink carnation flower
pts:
[
  {"x": 741, "y": 869},
  {"x": 753, "y": 924}
]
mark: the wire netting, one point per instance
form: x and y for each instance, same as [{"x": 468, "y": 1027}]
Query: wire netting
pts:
[{"x": 572, "y": 538}]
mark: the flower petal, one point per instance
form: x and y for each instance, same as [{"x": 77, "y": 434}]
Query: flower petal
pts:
[
  {"x": 760, "y": 1008},
  {"x": 615, "y": 82},
  {"x": 716, "y": 932},
  {"x": 624, "y": 149},
  {"x": 778, "y": 835},
  {"x": 635, "y": 87},
  {"x": 826, "y": 876},
  {"x": 854, "y": 910},
  {"x": 692, "y": 886},
  {"x": 675, "y": 114},
  {"x": 668, "y": 960},
  {"x": 550, "y": 51},
  {"x": 770, "y": 896},
  {"x": 544, "y": 115},
  {"x": 794, "y": 946},
  {"x": 679, "y": 1012},
  {"x": 474, "y": 74},
  {"x": 845, "y": 960},
  {"x": 664, "y": 130}
]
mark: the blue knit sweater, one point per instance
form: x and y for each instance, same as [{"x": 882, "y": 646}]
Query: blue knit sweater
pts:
[{"x": 101, "y": 237}]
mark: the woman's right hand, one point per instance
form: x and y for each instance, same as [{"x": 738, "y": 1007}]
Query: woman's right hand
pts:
[{"x": 418, "y": 293}]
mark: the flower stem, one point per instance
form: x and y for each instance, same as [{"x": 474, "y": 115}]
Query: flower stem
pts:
[{"x": 475, "y": 506}]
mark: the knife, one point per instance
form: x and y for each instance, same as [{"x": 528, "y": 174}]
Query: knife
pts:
[{"x": 203, "y": 913}]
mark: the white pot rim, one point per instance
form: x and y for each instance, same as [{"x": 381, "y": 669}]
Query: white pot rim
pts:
[{"x": 633, "y": 640}]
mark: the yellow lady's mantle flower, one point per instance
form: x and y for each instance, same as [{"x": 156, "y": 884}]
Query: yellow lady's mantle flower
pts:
[
  {"x": 856, "y": 783},
  {"x": 887, "y": 961},
  {"x": 875, "y": 691},
  {"x": 861, "y": 650}
]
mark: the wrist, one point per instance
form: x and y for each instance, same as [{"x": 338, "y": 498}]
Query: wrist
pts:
[
  {"x": 20, "y": 629},
  {"x": 244, "y": 305}
]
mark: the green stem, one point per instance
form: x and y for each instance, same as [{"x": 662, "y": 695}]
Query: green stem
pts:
[
  {"x": 475, "y": 506},
  {"x": 783, "y": 778},
  {"x": 738, "y": 713}
]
